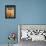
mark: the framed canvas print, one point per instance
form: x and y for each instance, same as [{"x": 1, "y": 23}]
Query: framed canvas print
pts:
[{"x": 10, "y": 11}]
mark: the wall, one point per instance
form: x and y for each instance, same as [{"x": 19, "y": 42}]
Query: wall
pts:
[
  {"x": 27, "y": 12},
  {"x": 6, "y": 25},
  {"x": 31, "y": 11}
]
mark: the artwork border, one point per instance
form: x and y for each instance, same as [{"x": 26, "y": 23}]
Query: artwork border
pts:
[{"x": 14, "y": 6}]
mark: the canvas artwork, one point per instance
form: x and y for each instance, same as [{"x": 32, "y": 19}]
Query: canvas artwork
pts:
[
  {"x": 33, "y": 32},
  {"x": 10, "y": 11}
]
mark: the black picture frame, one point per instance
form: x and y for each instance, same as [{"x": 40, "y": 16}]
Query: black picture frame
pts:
[{"x": 10, "y": 6}]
